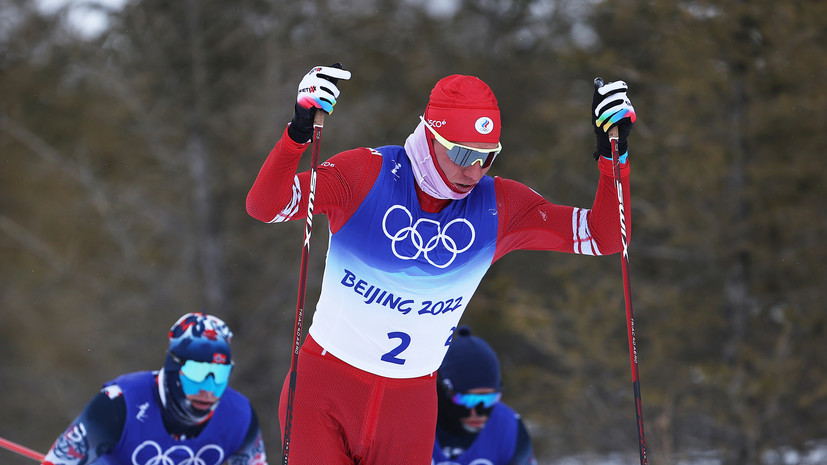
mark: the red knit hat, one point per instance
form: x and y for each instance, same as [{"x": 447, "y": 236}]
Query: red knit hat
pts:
[{"x": 464, "y": 109}]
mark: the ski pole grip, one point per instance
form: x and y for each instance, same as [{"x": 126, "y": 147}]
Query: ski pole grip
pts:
[{"x": 318, "y": 120}]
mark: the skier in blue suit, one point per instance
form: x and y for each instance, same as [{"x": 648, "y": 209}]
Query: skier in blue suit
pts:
[
  {"x": 184, "y": 413},
  {"x": 473, "y": 425}
]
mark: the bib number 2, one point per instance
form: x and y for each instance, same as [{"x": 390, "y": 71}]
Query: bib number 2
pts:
[{"x": 404, "y": 342}]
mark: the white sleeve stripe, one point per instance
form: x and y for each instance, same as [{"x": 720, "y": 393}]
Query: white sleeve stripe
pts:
[
  {"x": 288, "y": 211},
  {"x": 581, "y": 235},
  {"x": 574, "y": 221},
  {"x": 112, "y": 391}
]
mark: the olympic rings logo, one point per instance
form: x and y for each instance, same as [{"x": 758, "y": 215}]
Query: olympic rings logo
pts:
[
  {"x": 164, "y": 457},
  {"x": 414, "y": 235},
  {"x": 480, "y": 461}
]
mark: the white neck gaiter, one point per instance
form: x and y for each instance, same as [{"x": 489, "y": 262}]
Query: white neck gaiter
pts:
[{"x": 427, "y": 176}]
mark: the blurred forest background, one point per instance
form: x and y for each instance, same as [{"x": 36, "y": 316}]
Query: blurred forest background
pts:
[{"x": 126, "y": 156}]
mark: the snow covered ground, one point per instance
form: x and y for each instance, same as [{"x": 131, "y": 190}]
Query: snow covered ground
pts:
[{"x": 813, "y": 453}]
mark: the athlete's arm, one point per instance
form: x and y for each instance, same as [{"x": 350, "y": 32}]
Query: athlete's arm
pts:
[
  {"x": 523, "y": 451},
  {"x": 93, "y": 433},
  {"x": 530, "y": 222},
  {"x": 251, "y": 451},
  {"x": 342, "y": 182}
]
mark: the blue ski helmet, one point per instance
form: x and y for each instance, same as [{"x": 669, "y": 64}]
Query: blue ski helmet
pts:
[{"x": 201, "y": 338}]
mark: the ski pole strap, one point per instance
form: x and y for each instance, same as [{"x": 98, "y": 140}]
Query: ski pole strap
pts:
[{"x": 621, "y": 159}]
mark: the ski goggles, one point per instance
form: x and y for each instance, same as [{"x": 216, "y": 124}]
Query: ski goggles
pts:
[
  {"x": 197, "y": 376},
  {"x": 463, "y": 155},
  {"x": 470, "y": 401}
]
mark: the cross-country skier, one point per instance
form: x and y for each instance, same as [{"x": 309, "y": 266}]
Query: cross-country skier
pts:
[
  {"x": 413, "y": 230},
  {"x": 473, "y": 425},
  {"x": 183, "y": 413}
]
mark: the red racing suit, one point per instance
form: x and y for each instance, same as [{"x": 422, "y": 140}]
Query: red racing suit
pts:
[{"x": 339, "y": 408}]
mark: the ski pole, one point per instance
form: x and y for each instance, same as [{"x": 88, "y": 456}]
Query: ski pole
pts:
[
  {"x": 24, "y": 451},
  {"x": 318, "y": 124},
  {"x": 627, "y": 290}
]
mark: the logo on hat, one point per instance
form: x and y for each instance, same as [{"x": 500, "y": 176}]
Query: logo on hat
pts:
[
  {"x": 484, "y": 125},
  {"x": 437, "y": 123}
]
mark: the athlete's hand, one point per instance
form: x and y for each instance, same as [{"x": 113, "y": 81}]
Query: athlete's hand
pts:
[
  {"x": 317, "y": 90},
  {"x": 611, "y": 107}
]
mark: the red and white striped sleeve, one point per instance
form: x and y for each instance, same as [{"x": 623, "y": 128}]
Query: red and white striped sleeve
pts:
[
  {"x": 530, "y": 222},
  {"x": 280, "y": 194}
]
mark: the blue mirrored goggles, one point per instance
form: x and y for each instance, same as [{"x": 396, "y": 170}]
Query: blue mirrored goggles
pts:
[
  {"x": 463, "y": 155},
  {"x": 468, "y": 400},
  {"x": 192, "y": 388},
  {"x": 198, "y": 371},
  {"x": 197, "y": 376}
]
